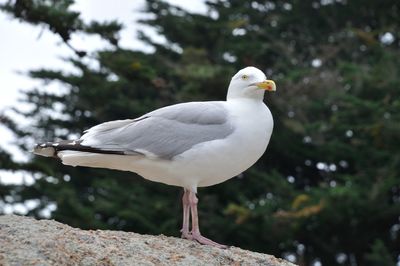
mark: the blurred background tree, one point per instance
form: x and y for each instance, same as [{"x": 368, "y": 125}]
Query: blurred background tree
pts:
[{"x": 328, "y": 189}]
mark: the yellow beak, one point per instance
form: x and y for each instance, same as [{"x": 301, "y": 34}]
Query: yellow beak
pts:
[{"x": 268, "y": 85}]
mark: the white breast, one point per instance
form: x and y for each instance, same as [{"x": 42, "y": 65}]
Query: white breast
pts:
[{"x": 253, "y": 128}]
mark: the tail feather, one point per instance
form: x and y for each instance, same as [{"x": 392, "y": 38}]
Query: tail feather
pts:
[
  {"x": 74, "y": 154},
  {"x": 51, "y": 149}
]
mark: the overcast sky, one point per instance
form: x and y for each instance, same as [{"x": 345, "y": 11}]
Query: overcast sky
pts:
[{"x": 24, "y": 47}]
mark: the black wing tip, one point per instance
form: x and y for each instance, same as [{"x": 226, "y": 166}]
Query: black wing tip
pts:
[
  {"x": 50, "y": 149},
  {"x": 45, "y": 149}
]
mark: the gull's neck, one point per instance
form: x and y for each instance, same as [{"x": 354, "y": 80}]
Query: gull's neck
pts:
[{"x": 257, "y": 96}]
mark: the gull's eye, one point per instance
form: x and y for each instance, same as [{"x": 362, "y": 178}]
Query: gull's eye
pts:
[{"x": 245, "y": 77}]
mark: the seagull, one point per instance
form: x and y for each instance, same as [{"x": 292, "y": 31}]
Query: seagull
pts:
[{"x": 190, "y": 145}]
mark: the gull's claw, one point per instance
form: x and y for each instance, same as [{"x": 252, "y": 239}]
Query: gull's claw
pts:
[{"x": 205, "y": 241}]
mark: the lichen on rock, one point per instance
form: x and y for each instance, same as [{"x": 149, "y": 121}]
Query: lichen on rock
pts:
[{"x": 26, "y": 241}]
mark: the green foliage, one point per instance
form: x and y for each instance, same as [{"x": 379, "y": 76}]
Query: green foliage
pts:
[
  {"x": 328, "y": 187},
  {"x": 379, "y": 254}
]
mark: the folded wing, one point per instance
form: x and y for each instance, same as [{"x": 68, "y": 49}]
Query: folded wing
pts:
[{"x": 163, "y": 133}]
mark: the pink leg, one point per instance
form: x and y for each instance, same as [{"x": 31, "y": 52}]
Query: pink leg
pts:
[
  {"x": 186, "y": 215},
  {"x": 196, "y": 235}
]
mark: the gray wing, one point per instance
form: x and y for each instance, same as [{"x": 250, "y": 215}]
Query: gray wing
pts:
[{"x": 163, "y": 133}]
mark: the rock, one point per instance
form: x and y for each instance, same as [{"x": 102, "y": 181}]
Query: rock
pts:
[{"x": 26, "y": 241}]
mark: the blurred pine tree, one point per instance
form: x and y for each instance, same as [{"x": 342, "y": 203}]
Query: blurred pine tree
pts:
[{"x": 328, "y": 188}]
